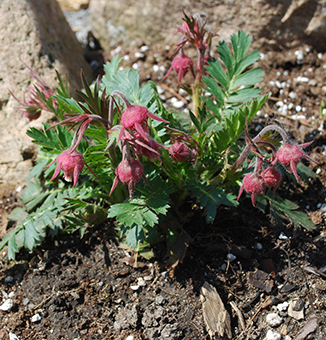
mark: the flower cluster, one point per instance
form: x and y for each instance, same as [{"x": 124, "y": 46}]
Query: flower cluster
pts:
[
  {"x": 33, "y": 105},
  {"x": 193, "y": 33},
  {"x": 288, "y": 155}
]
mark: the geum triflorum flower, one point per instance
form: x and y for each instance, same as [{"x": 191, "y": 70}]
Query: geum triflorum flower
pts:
[
  {"x": 134, "y": 118},
  {"x": 290, "y": 155},
  {"x": 34, "y": 104},
  {"x": 71, "y": 163},
  {"x": 129, "y": 171},
  {"x": 181, "y": 64}
]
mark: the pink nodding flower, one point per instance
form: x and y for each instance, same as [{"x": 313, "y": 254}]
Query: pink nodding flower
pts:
[
  {"x": 290, "y": 155},
  {"x": 254, "y": 185},
  {"x": 272, "y": 178},
  {"x": 180, "y": 152},
  {"x": 129, "y": 171},
  {"x": 71, "y": 163},
  {"x": 134, "y": 118},
  {"x": 33, "y": 105},
  {"x": 181, "y": 64}
]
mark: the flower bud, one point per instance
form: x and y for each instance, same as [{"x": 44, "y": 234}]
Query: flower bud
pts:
[
  {"x": 272, "y": 178},
  {"x": 180, "y": 152},
  {"x": 129, "y": 171},
  {"x": 254, "y": 185}
]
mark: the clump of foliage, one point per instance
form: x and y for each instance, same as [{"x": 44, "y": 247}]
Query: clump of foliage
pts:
[{"x": 132, "y": 160}]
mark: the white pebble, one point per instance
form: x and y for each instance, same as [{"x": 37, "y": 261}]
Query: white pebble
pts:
[
  {"x": 279, "y": 103},
  {"x": 156, "y": 68},
  {"x": 272, "y": 82},
  {"x": 290, "y": 106},
  {"x": 298, "y": 108},
  {"x": 135, "y": 66},
  {"x": 282, "y": 307},
  {"x": 162, "y": 68},
  {"x": 178, "y": 104},
  {"x": 126, "y": 57},
  {"x": 307, "y": 49},
  {"x": 144, "y": 48},
  {"x": 318, "y": 171},
  {"x": 230, "y": 257},
  {"x": 130, "y": 337},
  {"x": 141, "y": 282},
  {"x": 273, "y": 319},
  {"x": 299, "y": 54},
  {"x": 134, "y": 287},
  {"x": 7, "y": 305},
  {"x": 35, "y": 318},
  {"x": 13, "y": 336},
  {"x": 271, "y": 335},
  {"x": 259, "y": 246},
  {"x": 139, "y": 55},
  {"x": 282, "y": 236},
  {"x": 292, "y": 95},
  {"x": 319, "y": 55},
  {"x": 286, "y": 73},
  {"x": 11, "y": 294}
]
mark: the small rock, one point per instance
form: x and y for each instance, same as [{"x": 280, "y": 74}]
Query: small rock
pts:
[
  {"x": 231, "y": 257},
  {"x": 9, "y": 279},
  {"x": 159, "y": 299},
  {"x": 130, "y": 337},
  {"x": 273, "y": 319},
  {"x": 296, "y": 309},
  {"x": 141, "y": 282},
  {"x": 144, "y": 48},
  {"x": 11, "y": 294},
  {"x": 36, "y": 318},
  {"x": 282, "y": 307},
  {"x": 26, "y": 301},
  {"x": 282, "y": 236},
  {"x": 259, "y": 246},
  {"x": 271, "y": 335},
  {"x": 7, "y": 305},
  {"x": 13, "y": 336},
  {"x": 134, "y": 287}
]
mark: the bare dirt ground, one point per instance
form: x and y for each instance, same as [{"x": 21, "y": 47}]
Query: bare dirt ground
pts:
[{"x": 71, "y": 288}]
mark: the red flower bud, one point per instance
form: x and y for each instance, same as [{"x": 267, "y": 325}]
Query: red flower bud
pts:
[
  {"x": 180, "y": 152},
  {"x": 128, "y": 172},
  {"x": 254, "y": 185},
  {"x": 272, "y": 178}
]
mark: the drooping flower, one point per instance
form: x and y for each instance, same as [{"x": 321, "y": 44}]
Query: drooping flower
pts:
[
  {"x": 134, "y": 118},
  {"x": 71, "y": 163},
  {"x": 272, "y": 178},
  {"x": 181, "y": 64},
  {"x": 254, "y": 185},
  {"x": 290, "y": 155},
  {"x": 34, "y": 104},
  {"x": 129, "y": 171}
]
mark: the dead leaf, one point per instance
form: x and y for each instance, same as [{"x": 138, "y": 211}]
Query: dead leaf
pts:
[
  {"x": 259, "y": 279},
  {"x": 308, "y": 328},
  {"x": 216, "y": 317}
]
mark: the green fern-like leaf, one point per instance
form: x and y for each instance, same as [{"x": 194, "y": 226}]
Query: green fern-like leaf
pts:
[{"x": 210, "y": 198}]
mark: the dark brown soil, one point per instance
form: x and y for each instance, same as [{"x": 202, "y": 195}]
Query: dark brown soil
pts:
[{"x": 82, "y": 289}]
